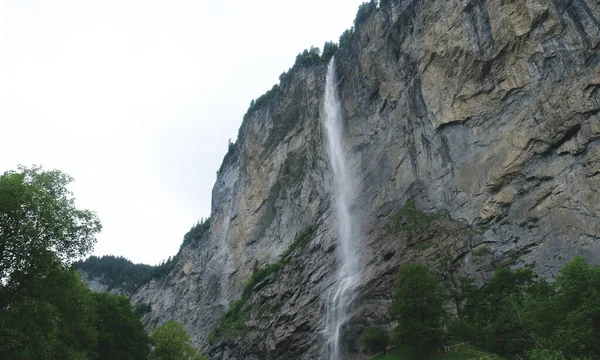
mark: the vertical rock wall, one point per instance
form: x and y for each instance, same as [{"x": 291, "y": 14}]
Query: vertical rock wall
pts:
[{"x": 474, "y": 127}]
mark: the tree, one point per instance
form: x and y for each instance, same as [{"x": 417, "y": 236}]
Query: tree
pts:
[
  {"x": 577, "y": 294},
  {"x": 38, "y": 221},
  {"x": 364, "y": 10},
  {"x": 121, "y": 335},
  {"x": 509, "y": 315},
  {"x": 375, "y": 339},
  {"x": 172, "y": 342},
  {"x": 419, "y": 307},
  {"x": 329, "y": 50},
  {"x": 52, "y": 320},
  {"x": 346, "y": 37}
]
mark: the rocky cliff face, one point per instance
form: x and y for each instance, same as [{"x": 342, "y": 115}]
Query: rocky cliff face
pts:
[{"x": 474, "y": 127}]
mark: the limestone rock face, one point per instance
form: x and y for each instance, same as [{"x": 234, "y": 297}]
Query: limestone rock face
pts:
[{"x": 474, "y": 128}]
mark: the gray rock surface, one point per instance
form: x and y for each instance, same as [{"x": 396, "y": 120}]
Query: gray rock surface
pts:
[{"x": 484, "y": 114}]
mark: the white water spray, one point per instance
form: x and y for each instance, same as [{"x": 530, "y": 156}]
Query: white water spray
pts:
[{"x": 344, "y": 192}]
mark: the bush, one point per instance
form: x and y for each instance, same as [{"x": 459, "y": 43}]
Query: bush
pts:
[{"x": 375, "y": 339}]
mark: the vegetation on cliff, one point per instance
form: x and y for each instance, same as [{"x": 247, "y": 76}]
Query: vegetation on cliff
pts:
[
  {"x": 233, "y": 321},
  {"x": 119, "y": 272},
  {"x": 314, "y": 57},
  {"x": 172, "y": 342},
  {"x": 515, "y": 314}
]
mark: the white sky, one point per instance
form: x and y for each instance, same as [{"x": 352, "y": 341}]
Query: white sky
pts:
[{"x": 137, "y": 99}]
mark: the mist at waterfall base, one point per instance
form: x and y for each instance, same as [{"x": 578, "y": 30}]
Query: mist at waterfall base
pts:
[{"x": 348, "y": 274}]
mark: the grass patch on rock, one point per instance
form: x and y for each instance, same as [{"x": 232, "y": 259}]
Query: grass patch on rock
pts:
[{"x": 409, "y": 218}]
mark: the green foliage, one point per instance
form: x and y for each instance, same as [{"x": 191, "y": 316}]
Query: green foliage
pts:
[
  {"x": 47, "y": 312},
  {"x": 301, "y": 239},
  {"x": 172, "y": 342},
  {"x": 363, "y": 13},
  {"x": 51, "y": 320},
  {"x": 545, "y": 354},
  {"x": 119, "y": 272},
  {"x": 492, "y": 315},
  {"x": 60, "y": 318},
  {"x": 231, "y": 154},
  {"x": 39, "y": 221},
  {"x": 329, "y": 49},
  {"x": 404, "y": 352},
  {"x": 346, "y": 37},
  {"x": 577, "y": 299},
  {"x": 419, "y": 307},
  {"x": 120, "y": 333},
  {"x": 260, "y": 102},
  {"x": 308, "y": 57},
  {"x": 516, "y": 313},
  {"x": 142, "y": 309},
  {"x": 375, "y": 339},
  {"x": 195, "y": 233},
  {"x": 409, "y": 218},
  {"x": 233, "y": 320}
]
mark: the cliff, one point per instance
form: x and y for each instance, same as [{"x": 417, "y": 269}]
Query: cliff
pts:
[{"x": 474, "y": 129}]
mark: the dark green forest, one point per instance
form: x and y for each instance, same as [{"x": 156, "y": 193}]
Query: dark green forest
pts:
[
  {"x": 516, "y": 314},
  {"x": 119, "y": 272}
]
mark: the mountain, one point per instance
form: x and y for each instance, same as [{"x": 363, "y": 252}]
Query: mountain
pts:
[{"x": 473, "y": 129}]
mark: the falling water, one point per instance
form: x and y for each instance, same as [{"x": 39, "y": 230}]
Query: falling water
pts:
[{"x": 348, "y": 273}]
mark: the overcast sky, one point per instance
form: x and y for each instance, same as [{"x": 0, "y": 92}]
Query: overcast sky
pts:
[{"x": 136, "y": 99}]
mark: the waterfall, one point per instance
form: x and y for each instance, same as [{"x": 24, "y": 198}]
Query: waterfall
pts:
[{"x": 348, "y": 273}]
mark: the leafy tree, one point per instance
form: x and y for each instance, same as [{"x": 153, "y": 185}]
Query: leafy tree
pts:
[
  {"x": 419, "y": 307},
  {"x": 502, "y": 316},
  {"x": 121, "y": 336},
  {"x": 516, "y": 313},
  {"x": 53, "y": 319},
  {"x": 172, "y": 342},
  {"x": 38, "y": 216},
  {"x": 375, "y": 339},
  {"x": 577, "y": 300}
]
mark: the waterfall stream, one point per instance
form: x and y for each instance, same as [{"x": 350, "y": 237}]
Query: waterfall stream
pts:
[{"x": 348, "y": 273}]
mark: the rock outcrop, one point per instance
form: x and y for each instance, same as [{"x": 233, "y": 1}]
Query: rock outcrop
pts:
[{"x": 474, "y": 127}]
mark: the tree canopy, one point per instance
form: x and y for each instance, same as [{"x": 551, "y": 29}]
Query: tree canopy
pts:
[
  {"x": 48, "y": 312},
  {"x": 38, "y": 223},
  {"x": 419, "y": 307},
  {"x": 172, "y": 342}
]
